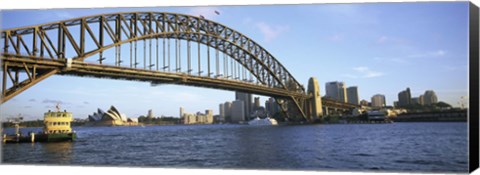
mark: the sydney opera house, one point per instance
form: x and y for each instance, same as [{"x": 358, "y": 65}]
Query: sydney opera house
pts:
[{"x": 111, "y": 118}]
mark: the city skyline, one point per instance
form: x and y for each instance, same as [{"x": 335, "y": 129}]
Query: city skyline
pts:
[{"x": 387, "y": 52}]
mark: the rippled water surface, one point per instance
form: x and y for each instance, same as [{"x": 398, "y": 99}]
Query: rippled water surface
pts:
[{"x": 419, "y": 147}]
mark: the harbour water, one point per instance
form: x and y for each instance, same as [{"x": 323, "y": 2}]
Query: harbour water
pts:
[{"x": 397, "y": 147}]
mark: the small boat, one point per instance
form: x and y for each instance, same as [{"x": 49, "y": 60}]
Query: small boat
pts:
[
  {"x": 266, "y": 121},
  {"x": 57, "y": 127}
]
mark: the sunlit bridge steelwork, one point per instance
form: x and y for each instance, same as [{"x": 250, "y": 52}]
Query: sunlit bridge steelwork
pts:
[{"x": 155, "y": 47}]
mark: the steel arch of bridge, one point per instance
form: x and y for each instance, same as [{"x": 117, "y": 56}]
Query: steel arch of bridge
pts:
[{"x": 40, "y": 57}]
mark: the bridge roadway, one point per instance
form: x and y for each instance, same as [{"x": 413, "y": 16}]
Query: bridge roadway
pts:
[{"x": 80, "y": 68}]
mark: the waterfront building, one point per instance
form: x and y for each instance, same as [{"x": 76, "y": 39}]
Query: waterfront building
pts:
[
  {"x": 364, "y": 103},
  {"x": 430, "y": 97},
  {"x": 221, "y": 111},
  {"x": 378, "y": 101},
  {"x": 256, "y": 103},
  {"x": 189, "y": 119},
  {"x": 198, "y": 118},
  {"x": 247, "y": 102},
  {"x": 209, "y": 116},
  {"x": 352, "y": 95},
  {"x": 181, "y": 112},
  {"x": 238, "y": 111},
  {"x": 272, "y": 106},
  {"x": 150, "y": 113},
  {"x": 336, "y": 90},
  {"x": 421, "y": 100},
  {"x": 404, "y": 98},
  {"x": 259, "y": 112},
  {"x": 228, "y": 110},
  {"x": 415, "y": 100}
]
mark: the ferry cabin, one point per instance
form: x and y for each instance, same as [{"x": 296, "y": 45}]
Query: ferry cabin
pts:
[{"x": 57, "y": 122}]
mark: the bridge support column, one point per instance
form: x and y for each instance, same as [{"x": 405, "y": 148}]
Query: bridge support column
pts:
[{"x": 315, "y": 101}]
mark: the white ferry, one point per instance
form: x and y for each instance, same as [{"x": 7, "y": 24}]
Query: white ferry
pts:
[
  {"x": 376, "y": 115},
  {"x": 266, "y": 121}
]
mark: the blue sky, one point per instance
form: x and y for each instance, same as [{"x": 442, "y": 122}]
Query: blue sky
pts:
[{"x": 382, "y": 48}]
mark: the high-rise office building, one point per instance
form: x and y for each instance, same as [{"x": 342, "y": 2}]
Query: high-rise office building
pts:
[
  {"x": 221, "y": 112},
  {"x": 271, "y": 106},
  {"x": 378, "y": 101},
  {"x": 228, "y": 109},
  {"x": 181, "y": 112},
  {"x": 150, "y": 113},
  {"x": 256, "y": 103},
  {"x": 421, "y": 100},
  {"x": 430, "y": 97},
  {"x": 404, "y": 98},
  {"x": 415, "y": 100},
  {"x": 336, "y": 90},
  {"x": 238, "y": 111},
  {"x": 352, "y": 95},
  {"x": 247, "y": 102}
]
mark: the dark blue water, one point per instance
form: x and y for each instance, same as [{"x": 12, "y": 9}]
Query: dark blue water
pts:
[{"x": 418, "y": 147}]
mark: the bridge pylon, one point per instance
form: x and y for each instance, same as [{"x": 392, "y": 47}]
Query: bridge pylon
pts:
[{"x": 314, "y": 102}]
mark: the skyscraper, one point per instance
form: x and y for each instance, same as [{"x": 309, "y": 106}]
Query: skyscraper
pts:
[
  {"x": 421, "y": 100},
  {"x": 430, "y": 97},
  {"x": 378, "y": 101},
  {"x": 415, "y": 100},
  {"x": 336, "y": 90},
  {"x": 221, "y": 111},
  {"x": 227, "y": 108},
  {"x": 247, "y": 102},
  {"x": 181, "y": 112},
  {"x": 150, "y": 113},
  {"x": 404, "y": 98},
  {"x": 352, "y": 95},
  {"x": 238, "y": 111},
  {"x": 271, "y": 106},
  {"x": 257, "y": 103}
]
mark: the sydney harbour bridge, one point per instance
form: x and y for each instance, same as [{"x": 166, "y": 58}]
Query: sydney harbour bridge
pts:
[{"x": 159, "y": 48}]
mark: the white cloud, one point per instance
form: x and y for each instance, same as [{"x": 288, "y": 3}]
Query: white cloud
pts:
[
  {"x": 382, "y": 39},
  {"x": 391, "y": 40},
  {"x": 247, "y": 21},
  {"x": 182, "y": 96},
  {"x": 455, "y": 68},
  {"x": 409, "y": 58},
  {"x": 271, "y": 32},
  {"x": 364, "y": 72},
  {"x": 336, "y": 37},
  {"x": 432, "y": 54},
  {"x": 207, "y": 12},
  {"x": 351, "y": 12},
  {"x": 63, "y": 15}
]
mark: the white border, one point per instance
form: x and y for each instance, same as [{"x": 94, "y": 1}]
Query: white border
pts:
[
  {"x": 73, "y": 170},
  {"x": 49, "y": 4}
]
